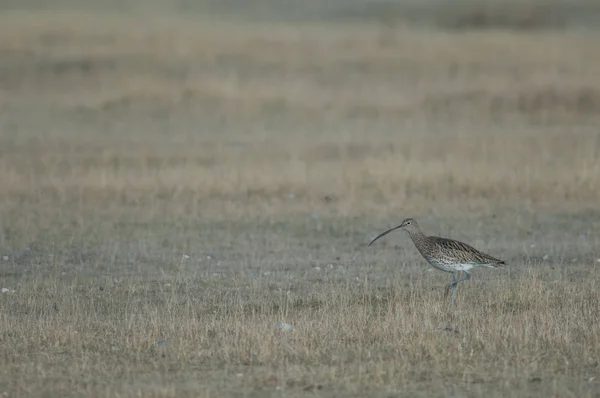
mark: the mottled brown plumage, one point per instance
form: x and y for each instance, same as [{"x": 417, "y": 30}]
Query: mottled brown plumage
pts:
[{"x": 447, "y": 255}]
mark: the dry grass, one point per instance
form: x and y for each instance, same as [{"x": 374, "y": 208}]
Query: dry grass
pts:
[{"x": 171, "y": 190}]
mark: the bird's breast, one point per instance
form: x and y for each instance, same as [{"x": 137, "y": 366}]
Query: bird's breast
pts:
[{"x": 441, "y": 266}]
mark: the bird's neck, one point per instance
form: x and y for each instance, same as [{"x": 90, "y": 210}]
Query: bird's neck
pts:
[{"x": 417, "y": 236}]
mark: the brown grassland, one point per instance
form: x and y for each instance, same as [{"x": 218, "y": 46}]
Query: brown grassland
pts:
[{"x": 172, "y": 187}]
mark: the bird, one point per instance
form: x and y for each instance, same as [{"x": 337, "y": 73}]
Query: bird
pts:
[{"x": 445, "y": 254}]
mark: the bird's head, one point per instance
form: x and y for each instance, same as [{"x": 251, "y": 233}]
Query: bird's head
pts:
[{"x": 409, "y": 225}]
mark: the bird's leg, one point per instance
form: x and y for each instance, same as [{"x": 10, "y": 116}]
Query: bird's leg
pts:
[
  {"x": 454, "y": 282},
  {"x": 454, "y": 291},
  {"x": 465, "y": 278},
  {"x": 452, "y": 285}
]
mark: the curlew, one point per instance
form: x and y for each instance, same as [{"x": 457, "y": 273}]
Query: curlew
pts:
[{"x": 445, "y": 254}]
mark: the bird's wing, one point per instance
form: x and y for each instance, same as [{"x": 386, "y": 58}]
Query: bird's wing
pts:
[{"x": 461, "y": 252}]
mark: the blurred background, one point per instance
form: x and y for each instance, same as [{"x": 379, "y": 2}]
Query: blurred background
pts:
[
  {"x": 379, "y": 106},
  {"x": 460, "y": 14}
]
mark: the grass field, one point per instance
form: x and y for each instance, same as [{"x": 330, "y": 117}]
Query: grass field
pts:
[{"x": 176, "y": 187}]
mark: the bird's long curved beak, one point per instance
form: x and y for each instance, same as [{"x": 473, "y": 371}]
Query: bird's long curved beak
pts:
[{"x": 384, "y": 233}]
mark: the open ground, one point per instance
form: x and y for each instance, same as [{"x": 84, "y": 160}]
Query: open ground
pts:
[{"x": 176, "y": 190}]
